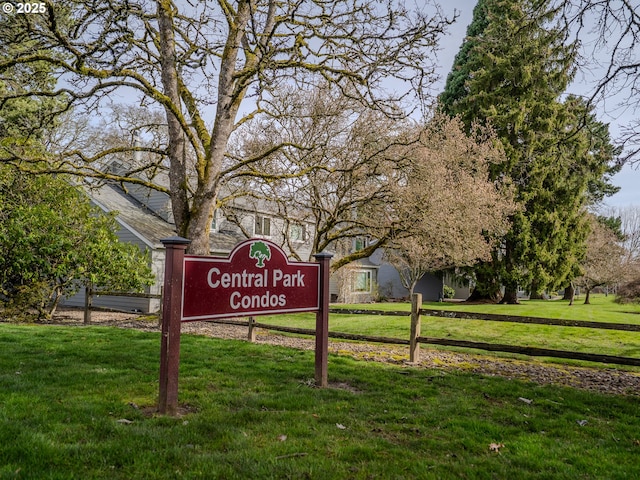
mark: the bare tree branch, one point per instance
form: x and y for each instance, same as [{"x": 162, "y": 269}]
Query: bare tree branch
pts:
[
  {"x": 611, "y": 29},
  {"x": 204, "y": 64}
]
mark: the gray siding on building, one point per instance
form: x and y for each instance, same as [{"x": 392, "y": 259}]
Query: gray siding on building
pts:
[
  {"x": 344, "y": 283},
  {"x": 389, "y": 283},
  {"x": 122, "y": 304},
  {"x": 126, "y": 236},
  {"x": 278, "y": 230},
  {"x": 391, "y": 287},
  {"x": 154, "y": 228},
  {"x": 334, "y": 290},
  {"x": 462, "y": 292},
  {"x": 157, "y": 202},
  {"x": 430, "y": 287}
]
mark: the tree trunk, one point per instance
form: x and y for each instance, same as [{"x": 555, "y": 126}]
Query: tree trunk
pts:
[
  {"x": 586, "y": 296},
  {"x": 509, "y": 275},
  {"x": 177, "y": 141},
  {"x": 569, "y": 292},
  {"x": 55, "y": 300},
  {"x": 510, "y": 296},
  {"x": 487, "y": 287},
  {"x": 479, "y": 295},
  {"x": 199, "y": 229},
  {"x": 194, "y": 221},
  {"x": 536, "y": 292},
  {"x": 412, "y": 288}
]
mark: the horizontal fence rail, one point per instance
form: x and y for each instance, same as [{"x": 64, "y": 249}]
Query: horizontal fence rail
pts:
[
  {"x": 349, "y": 311},
  {"x": 524, "y": 350},
  {"x": 343, "y": 336},
  {"x": 530, "y": 320},
  {"x": 533, "y": 351},
  {"x": 98, "y": 293},
  {"x": 308, "y": 331},
  {"x": 416, "y": 339}
]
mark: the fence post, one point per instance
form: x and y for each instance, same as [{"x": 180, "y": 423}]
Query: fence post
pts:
[
  {"x": 414, "y": 346},
  {"x": 171, "y": 313},
  {"x": 252, "y": 330},
  {"x": 88, "y": 293}
]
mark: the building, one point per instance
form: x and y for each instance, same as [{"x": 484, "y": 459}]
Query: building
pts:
[{"x": 145, "y": 218}]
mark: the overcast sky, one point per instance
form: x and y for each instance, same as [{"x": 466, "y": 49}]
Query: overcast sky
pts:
[{"x": 628, "y": 179}]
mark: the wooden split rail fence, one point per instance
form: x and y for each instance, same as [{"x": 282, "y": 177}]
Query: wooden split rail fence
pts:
[{"x": 415, "y": 338}]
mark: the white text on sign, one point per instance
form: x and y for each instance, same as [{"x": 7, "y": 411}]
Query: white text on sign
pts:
[{"x": 243, "y": 279}]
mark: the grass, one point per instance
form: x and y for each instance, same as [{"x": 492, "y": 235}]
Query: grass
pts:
[
  {"x": 602, "y": 309},
  {"x": 75, "y": 403}
]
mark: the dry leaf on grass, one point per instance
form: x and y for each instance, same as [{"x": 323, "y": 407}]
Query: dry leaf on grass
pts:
[{"x": 495, "y": 447}]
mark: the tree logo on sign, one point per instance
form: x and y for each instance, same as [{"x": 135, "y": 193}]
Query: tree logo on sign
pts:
[{"x": 261, "y": 252}]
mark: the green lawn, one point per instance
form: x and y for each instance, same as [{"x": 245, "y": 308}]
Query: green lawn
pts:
[
  {"x": 602, "y": 309},
  {"x": 76, "y": 403}
]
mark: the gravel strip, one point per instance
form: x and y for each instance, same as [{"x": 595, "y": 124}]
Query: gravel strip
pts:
[{"x": 604, "y": 380}]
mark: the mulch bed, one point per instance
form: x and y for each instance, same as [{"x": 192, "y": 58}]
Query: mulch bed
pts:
[{"x": 604, "y": 380}]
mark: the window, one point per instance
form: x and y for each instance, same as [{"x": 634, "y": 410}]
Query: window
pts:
[
  {"x": 360, "y": 243},
  {"x": 263, "y": 226},
  {"x": 214, "y": 221},
  {"x": 362, "y": 281},
  {"x": 297, "y": 233}
]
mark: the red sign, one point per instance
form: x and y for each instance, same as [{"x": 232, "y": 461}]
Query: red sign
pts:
[{"x": 256, "y": 279}]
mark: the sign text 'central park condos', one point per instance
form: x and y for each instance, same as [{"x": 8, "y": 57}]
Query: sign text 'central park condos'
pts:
[{"x": 257, "y": 278}]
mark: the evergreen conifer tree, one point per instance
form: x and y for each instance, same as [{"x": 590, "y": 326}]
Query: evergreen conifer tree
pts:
[{"x": 511, "y": 72}]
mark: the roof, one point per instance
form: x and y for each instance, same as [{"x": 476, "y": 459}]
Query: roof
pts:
[
  {"x": 147, "y": 226},
  {"x": 364, "y": 263}
]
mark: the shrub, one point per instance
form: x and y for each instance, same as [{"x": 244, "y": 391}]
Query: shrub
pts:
[
  {"x": 448, "y": 292},
  {"x": 629, "y": 293},
  {"x": 53, "y": 241}
]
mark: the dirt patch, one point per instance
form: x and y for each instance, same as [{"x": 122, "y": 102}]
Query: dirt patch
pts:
[{"x": 605, "y": 380}]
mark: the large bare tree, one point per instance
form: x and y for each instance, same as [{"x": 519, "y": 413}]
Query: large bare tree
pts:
[
  {"x": 349, "y": 160},
  {"x": 630, "y": 225},
  {"x": 422, "y": 190},
  {"x": 209, "y": 66},
  {"x": 629, "y": 218}
]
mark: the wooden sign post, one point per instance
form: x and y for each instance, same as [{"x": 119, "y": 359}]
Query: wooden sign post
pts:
[
  {"x": 170, "y": 338},
  {"x": 256, "y": 279},
  {"x": 322, "y": 321}
]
